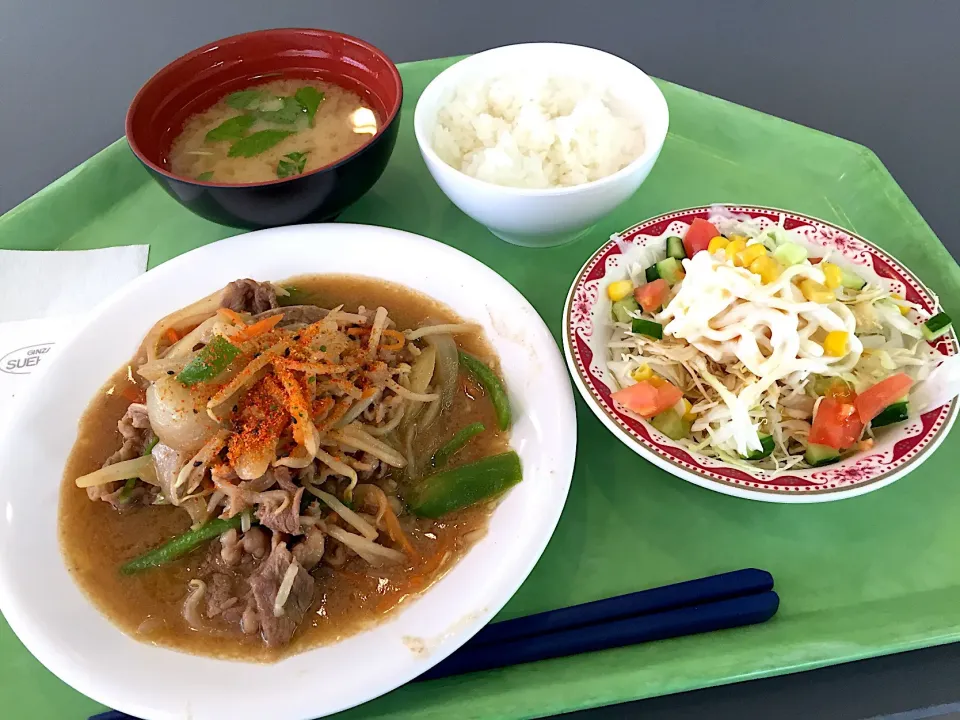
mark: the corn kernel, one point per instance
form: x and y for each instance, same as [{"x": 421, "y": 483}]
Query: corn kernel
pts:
[
  {"x": 738, "y": 237},
  {"x": 835, "y": 344},
  {"x": 832, "y": 274},
  {"x": 717, "y": 243},
  {"x": 656, "y": 380},
  {"x": 767, "y": 268},
  {"x": 687, "y": 413},
  {"x": 617, "y": 291},
  {"x": 749, "y": 254},
  {"x": 904, "y": 310},
  {"x": 734, "y": 247},
  {"x": 815, "y": 292},
  {"x": 642, "y": 373}
]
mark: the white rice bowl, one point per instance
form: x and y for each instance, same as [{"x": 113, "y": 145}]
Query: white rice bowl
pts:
[{"x": 532, "y": 130}]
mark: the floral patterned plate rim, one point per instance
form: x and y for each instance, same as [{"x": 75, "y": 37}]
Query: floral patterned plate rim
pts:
[{"x": 898, "y": 451}]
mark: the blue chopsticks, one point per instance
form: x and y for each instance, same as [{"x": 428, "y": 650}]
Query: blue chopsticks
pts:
[
  {"x": 734, "y": 599},
  {"x": 718, "y": 602}
]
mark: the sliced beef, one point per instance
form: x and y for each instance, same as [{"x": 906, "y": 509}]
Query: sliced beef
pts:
[
  {"x": 231, "y": 551},
  {"x": 134, "y": 426},
  {"x": 285, "y": 520},
  {"x": 309, "y": 552},
  {"x": 265, "y": 584},
  {"x": 255, "y": 542},
  {"x": 220, "y": 594},
  {"x": 249, "y": 296},
  {"x": 296, "y": 314},
  {"x": 284, "y": 478}
]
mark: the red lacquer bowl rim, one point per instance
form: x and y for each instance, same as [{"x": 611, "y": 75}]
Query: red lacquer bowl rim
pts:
[
  {"x": 253, "y": 36},
  {"x": 868, "y": 471}
]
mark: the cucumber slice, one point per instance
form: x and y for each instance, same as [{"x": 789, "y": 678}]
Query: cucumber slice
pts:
[
  {"x": 790, "y": 254},
  {"x": 818, "y": 455},
  {"x": 936, "y": 326},
  {"x": 671, "y": 424},
  {"x": 652, "y": 273},
  {"x": 670, "y": 270},
  {"x": 894, "y": 413},
  {"x": 622, "y": 308},
  {"x": 648, "y": 328},
  {"x": 851, "y": 280},
  {"x": 767, "y": 444},
  {"x": 821, "y": 384},
  {"x": 675, "y": 248}
]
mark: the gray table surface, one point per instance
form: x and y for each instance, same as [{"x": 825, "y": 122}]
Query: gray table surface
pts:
[{"x": 883, "y": 73}]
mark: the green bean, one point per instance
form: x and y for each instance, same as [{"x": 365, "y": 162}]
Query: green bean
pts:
[
  {"x": 491, "y": 385},
  {"x": 460, "y": 487},
  {"x": 461, "y": 438},
  {"x": 128, "y": 487},
  {"x": 131, "y": 483},
  {"x": 148, "y": 448},
  {"x": 180, "y": 545}
]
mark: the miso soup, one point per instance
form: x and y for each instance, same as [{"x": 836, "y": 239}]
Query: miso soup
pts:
[{"x": 272, "y": 131}]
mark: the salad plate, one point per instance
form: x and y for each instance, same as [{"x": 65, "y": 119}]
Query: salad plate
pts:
[{"x": 749, "y": 396}]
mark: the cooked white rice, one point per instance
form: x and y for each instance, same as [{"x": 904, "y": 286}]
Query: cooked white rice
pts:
[{"x": 533, "y": 131}]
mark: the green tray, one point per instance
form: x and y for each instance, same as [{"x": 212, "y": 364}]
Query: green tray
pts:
[{"x": 857, "y": 578}]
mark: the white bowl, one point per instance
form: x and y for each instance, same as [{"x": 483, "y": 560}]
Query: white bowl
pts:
[
  {"x": 60, "y": 626},
  {"x": 544, "y": 217}
]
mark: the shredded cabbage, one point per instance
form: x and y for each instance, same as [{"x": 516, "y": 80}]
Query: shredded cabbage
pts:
[{"x": 750, "y": 356}]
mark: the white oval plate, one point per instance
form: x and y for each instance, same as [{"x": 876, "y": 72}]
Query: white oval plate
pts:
[
  {"x": 586, "y": 330},
  {"x": 60, "y": 626}
]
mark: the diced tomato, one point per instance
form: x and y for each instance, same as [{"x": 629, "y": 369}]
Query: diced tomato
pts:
[
  {"x": 871, "y": 401},
  {"x": 651, "y": 295},
  {"x": 647, "y": 399},
  {"x": 668, "y": 395},
  {"x": 698, "y": 237},
  {"x": 836, "y": 424}
]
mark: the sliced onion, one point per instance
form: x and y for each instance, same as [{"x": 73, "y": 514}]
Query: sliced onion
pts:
[
  {"x": 448, "y": 329},
  {"x": 448, "y": 368},
  {"x": 155, "y": 370},
  {"x": 195, "y": 313},
  {"x": 141, "y": 467}
]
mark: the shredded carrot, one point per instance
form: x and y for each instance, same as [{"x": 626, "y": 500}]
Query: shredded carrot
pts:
[
  {"x": 296, "y": 403},
  {"x": 334, "y": 417},
  {"x": 348, "y": 387},
  {"x": 172, "y": 336},
  {"x": 358, "y": 331},
  {"x": 258, "y": 328},
  {"x": 396, "y": 335},
  {"x": 369, "y": 392},
  {"x": 312, "y": 367},
  {"x": 417, "y": 581},
  {"x": 133, "y": 393},
  {"x": 232, "y": 315},
  {"x": 308, "y": 333},
  {"x": 321, "y": 408},
  {"x": 397, "y": 534}
]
